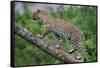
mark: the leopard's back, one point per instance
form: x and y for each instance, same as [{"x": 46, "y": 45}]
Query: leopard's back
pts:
[{"x": 63, "y": 28}]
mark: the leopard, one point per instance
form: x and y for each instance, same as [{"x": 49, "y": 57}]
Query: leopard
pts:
[{"x": 59, "y": 28}]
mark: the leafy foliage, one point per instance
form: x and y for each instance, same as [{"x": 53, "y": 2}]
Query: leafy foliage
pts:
[{"x": 83, "y": 17}]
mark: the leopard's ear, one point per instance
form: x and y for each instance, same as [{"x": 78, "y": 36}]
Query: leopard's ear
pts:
[{"x": 38, "y": 10}]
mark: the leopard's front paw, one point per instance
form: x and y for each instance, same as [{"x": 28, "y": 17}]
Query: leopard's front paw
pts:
[
  {"x": 57, "y": 46},
  {"x": 39, "y": 36},
  {"x": 71, "y": 51},
  {"x": 78, "y": 57}
]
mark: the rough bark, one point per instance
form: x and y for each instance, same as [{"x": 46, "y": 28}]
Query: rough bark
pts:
[{"x": 32, "y": 38}]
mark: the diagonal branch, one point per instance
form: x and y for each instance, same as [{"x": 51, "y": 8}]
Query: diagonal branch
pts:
[{"x": 32, "y": 38}]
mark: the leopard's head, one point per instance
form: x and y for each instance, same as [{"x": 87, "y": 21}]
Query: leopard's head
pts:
[
  {"x": 39, "y": 14},
  {"x": 35, "y": 15}
]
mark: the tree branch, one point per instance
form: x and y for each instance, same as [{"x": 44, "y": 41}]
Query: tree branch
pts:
[{"x": 32, "y": 38}]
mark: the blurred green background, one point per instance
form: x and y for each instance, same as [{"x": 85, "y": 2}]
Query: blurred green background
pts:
[{"x": 83, "y": 17}]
